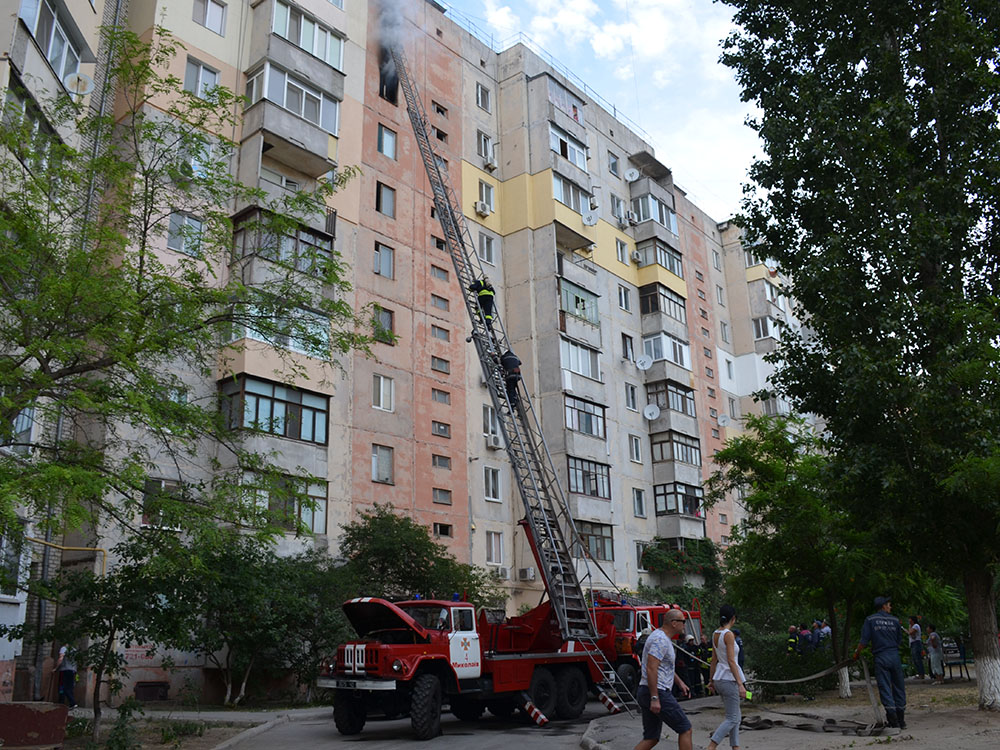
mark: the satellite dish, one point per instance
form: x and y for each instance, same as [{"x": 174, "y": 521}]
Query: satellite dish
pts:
[
  {"x": 651, "y": 412},
  {"x": 723, "y": 420},
  {"x": 590, "y": 218},
  {"x": 78, "y": 84},
  {"x": 643, "y": 361},
  {"x": 631, "y": 175}
]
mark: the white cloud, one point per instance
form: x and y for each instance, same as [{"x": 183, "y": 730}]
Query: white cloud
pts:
[{"x": 502, "y": 18}]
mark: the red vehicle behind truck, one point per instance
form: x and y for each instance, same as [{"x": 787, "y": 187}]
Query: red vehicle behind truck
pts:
[{"x": 414, "y": 656}]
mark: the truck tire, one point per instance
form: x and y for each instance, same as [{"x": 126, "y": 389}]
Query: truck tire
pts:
[
  {"x": 502, "y": 708},
  {"x": 349, "y": 713},
  {"x": 571, "y": 693},
  {"x": 543, "y": 690},
  {"x": 466, "y": 709},
  {"x": 628, "y": 676},
  {"x": 425, "y": 707}
]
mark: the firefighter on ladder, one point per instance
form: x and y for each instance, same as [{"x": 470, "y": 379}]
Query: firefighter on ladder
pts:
[{"x": 484, "y": 292}]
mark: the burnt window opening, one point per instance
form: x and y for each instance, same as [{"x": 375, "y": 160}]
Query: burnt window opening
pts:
[{"x": 388, "y": 78}]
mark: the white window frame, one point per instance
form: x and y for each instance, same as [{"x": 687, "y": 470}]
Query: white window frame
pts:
[
  {"x": 664, "y": 346},
  {"x": 624, "y": 298},
  {"x": 720, "y": 295},
  {"x": 491, "y": 426},
  {"x": 491, "y": 484},
  {"x": 272, "y": 83},
  {"x": 484, "y": 144},
  {"x": 384, "y": 261},
  {"x": 635, "y": 449},
  {"x": 580, "y": 359},
  {"x": 385, "y": 199},
  {"x": 640, "y": 549},
  {"x": 613, "y": 164},
  {"x": 638, "y": 502},
  {"x": 386, "y": 141},
  {"x": 494, "y": 548},
  {"x": 567, "y": 146},
  {"x": 189, "y": 232},
  {"x": 487, "y": 251},
  {"x": 621, "y": 251},
  {"x": 56, "y": 41},
  {"x": 631, "y": 397},
  {"x": 724, "y": 331},
  {"x": 313, "y": 37},
  {"x": 716, "y": 260},
  {"x": 487, "y": 194},
  {"x": 570, "y": 194},
  {"x": 213, "y": 21},
  {"x": 200, "y": 87},
  {"x": 383, "y": 392},
  {"x": 484, "y": 97},
  {"x": 763, "y": 328},
  {"x": 383, "y": 469}
]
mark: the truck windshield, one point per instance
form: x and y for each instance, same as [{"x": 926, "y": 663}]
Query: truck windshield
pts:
[
  {"x": 624, "y": 619},
  {"x": 430, "y": 616}
]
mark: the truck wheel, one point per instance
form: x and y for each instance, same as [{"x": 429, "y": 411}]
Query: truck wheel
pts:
[
  {"x": 571, "y": 693},
  {"x": 628, "y": 676},
  {"x": 349, "y": 713},
  {"x": 466, "y": 709},
  {"x": 425, "y": 707},
  {"x": 543, "y": 690},
  {"x": 502, "y": 708}
]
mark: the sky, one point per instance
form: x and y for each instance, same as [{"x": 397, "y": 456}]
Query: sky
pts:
[{"x": 657, "y": 62}]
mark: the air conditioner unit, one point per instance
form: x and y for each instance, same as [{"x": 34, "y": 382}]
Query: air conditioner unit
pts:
[
  {"x": 490, "y": 163},
  {"x": 623, "y": 222},
  {"x": 631, "y": 218},
  {"x": 636, "y": 256},
  {"x": 483, "y": 208},
  {"x": 526, "y": 574},
  {"x": 501, "y": 574},
  {"x": 494, "y": 442}
]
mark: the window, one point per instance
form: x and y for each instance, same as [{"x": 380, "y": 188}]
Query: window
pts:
[
  {"x": 723, "y": 518},
  {"x": 678, "y": 498},
  {"x": 640, "y": 550},
  {"x": 673, "y": 446},
  {"x": 720, "y": 295},
  {"x": 306, "y": 33},
  {"x": 200, "y": 79},
  {"x": 384, "y": 325},
  {"x": 440, "y": 333},
  {"x": 638, "y": 502},
  {"x": 597, "y": 540},
  {"x": 589, "y": 478},
  {"x": 724, "y": 539},
  {"x": 730, "y": 371},
  {"x": 631, "y": 397},
  {"x": 734, "y": 409},
  {"x": 385, "y": 200},
  {"x": 670, "y": 395},
  {"x": 724, "y": 331},
  {"x": 715, "y": 432},
  {"x": 52, "y": 39},
  {"x": 211, "y": 15},
  {"x": 494, "y": 547},
  {"x": 486, "y": 194},
  {"x": 716, "y": 260},
  {"x": 580, "y": 359},
  {"x": 613, "y": 165},
  {"x": 763, "y": 327},
  {"x": 664, "y": 346},
  {"x": 584, "y": 416},
  {"x": 10, "y": 562},
  {"x": 648, "y": 207},
  {"x": 635, "y": 448},
  {"x": 578, "y": 302},
  {"x": 303, "y": 331},
  {"x": 701, "y": 294},
  {"x": 570, "y": 194},
  {"x": 751, "y": 259},
  {"x": 439, "y": 273},
  {"x": 441, "y": 496},
  {"x": 658, "y": 298},
  {"x": 382, "y": 392},
  {"x": 382, "y": 464},
  {"x": 713, "y": 413},
  {"x": 442, "y": 529},
  {"x": 385, "y": 260},
  {"x": 628, "y": 347},
  {"x": 266, "y": 173},
  {"x": 621, "y": 251},
  {"x": 624, "y": 298},
  {"x": 439, "y": 109},
  {"x": 300, "y": 98},
  {"x": 386, "y": 141},
  {"x": 439, "y": 302},
  {"x": 710, "y": 392},
  {"x": 438, "y": 364},
  {"x": 486, "y": 249},
  {"x": 441, "y": 397},
  {"x": 701, "y": 277},
  {"x": 388, "y": 78},
  {"x": 660, "y": 254},
  {"x": 304, "y": 249},
  {"x": 491, "y": 484},
  {"x": 184, "y": 234},
  {"x": 774, "y": 296},
  {"x": 276, "y": 409},
  {"x": 709, "y": 372},
  {"x": 617, "y": 207},
  {"x": 490, "y": 424},
  {"x": 441, "y": 462},
  {"x": 568, "y": 102},
  {"x": 483, "y": 97},
  {"x": 439, "y": 134},
  {"x": 441, "y": 429},
  {"x": 567, "y": 146},
  {"x": 707, "y": 352},
  {"x": 20, "y": 432},
  {"x": 439, "y": 244}
]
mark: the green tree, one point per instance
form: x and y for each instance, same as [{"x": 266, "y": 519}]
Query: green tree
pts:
[
  {"x": 878, "y": 194},
  {"x": 120, "y": 288},
  {"x": 393, "y": 557}
]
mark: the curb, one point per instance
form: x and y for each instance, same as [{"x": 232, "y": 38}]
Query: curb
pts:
[
  {"x": 252, "y": 732},
  {"x": 587, "y": 742}
]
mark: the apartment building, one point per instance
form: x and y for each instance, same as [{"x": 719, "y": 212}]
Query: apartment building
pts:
[{"x": 641, "y": 322}]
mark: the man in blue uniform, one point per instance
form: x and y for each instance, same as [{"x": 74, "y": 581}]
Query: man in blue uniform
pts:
[{"x": 883, "y": 631}]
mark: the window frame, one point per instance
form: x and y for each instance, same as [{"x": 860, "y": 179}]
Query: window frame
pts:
[
  {"x": 384, "y": 264},
  {"x": 385, "y": 387},
  {"x": 484, "y": 97},
  {"x": 385, "y": 193},
  {"x": 579, "y": 413},
  {"x": 381, "y": 141},
  {"x": 234, "y": 394},
  {"x": 380, "y": 452},
  {"x": 491, "y": 482},
  {"x": 590, "y": 478},
  {"x": 208, "y": 5}
]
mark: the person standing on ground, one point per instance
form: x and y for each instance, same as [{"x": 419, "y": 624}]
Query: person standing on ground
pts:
[
  {"x": 935, "y": 651},
  {"x": 727, "y": 677},
  {"x": 883, "y": 631},
  {"x": 658, "y": 706},
  {"x": 916, "y": 647},
  {"x": 705, "y": 654},
  {"x": 793, "y": 639},
  {"x": 66, "y": 669}
]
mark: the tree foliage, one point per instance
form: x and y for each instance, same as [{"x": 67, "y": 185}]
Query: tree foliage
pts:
[
  {"x": 393, "y": 557},
  {"x": 878, "y": 194},
  {"x": 109, "y": 337}
]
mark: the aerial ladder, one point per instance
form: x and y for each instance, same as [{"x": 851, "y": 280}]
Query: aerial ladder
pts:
[{"x": 547, "y": 518}]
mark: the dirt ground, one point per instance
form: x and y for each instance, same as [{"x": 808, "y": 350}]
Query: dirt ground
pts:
[{"x": 151, "y": 733}]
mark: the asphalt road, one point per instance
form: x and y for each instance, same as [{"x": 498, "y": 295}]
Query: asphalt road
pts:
[{"x": 489, "y": 733}]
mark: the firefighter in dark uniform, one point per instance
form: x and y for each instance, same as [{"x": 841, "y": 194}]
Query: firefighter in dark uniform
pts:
[
  {"x": 511, "y": 375},
  {"x": 705, "y": 654},
  {"x": 484, "y": 294},
  {"x": 883, "y": 631},
  {"x": 793, "y": 639}
]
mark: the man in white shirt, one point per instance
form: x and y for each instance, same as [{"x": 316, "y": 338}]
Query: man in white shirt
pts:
[{"x": 659, "y": 706}]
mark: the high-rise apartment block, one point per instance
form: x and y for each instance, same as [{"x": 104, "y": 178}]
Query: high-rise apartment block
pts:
[{"x": 641, "y": 321}]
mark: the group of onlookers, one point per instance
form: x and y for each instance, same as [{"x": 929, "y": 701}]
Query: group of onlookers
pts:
[
  {"x": 933, "y": 649},
  {"x": 803, "y": 640}
]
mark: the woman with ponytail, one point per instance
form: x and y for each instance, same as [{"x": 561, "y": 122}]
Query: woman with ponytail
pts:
[{"x": 727, "y": 678}]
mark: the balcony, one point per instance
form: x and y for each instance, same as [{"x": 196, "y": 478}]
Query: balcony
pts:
[{"x": 310, "y": 150}]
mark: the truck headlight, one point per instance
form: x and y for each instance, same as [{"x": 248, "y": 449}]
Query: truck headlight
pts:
[{"x": 397, "y": 666}]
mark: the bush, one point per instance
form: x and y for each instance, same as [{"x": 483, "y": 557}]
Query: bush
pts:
[{"x": 172, "y": 731}]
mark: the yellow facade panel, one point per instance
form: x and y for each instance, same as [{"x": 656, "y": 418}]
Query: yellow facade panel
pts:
[{"x": 654, "y": 273}]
